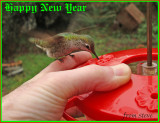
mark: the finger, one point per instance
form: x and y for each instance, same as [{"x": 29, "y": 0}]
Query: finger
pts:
[
  {"x": 68, "y": 62},
  {"x": 89, "y": 78}
]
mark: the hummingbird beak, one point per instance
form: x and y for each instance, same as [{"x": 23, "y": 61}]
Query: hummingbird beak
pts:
[{"x": 95, "y": 53}]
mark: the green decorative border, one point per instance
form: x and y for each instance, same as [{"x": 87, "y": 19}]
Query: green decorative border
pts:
[
  {"x": 84, "y": 1},
  {"x": 81, "y": 1}
]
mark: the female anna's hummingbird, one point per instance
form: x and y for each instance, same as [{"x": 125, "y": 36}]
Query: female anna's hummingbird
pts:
[{"x": 64, "y": 44}]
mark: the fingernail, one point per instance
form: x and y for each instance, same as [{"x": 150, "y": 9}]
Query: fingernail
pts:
[{"x": 121, "y": 70}]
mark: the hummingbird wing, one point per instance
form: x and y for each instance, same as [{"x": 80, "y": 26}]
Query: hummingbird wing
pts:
[{"x": 47, "y": 41}]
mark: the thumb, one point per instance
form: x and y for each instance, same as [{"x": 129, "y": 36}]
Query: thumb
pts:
[{"x": 90, "y": 78}]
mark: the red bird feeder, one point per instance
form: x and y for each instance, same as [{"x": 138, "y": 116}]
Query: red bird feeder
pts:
[{"x": 137, "y": 100}]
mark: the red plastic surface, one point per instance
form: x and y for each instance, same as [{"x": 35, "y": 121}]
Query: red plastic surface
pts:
[{"x": 137, "y": 100}]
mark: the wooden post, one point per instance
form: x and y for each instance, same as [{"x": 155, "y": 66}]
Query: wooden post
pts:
[
  {"x": 149, "y": 68},
  {"x": 149, "y": 34}
]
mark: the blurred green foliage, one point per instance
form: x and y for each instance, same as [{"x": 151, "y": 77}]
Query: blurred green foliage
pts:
[
  {"x": 97, "y": 14},
  {"x": 142, "y": 30},
  {"x": 15, "y": 24}
]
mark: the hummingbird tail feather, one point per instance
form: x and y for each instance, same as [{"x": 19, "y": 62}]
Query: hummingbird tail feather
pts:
[
  {"x": 37, "y": 41},
  {"x": 32, "y": 40}
]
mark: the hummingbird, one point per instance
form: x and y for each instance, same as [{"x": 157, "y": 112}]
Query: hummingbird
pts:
[{"x": 63, "y": 44}]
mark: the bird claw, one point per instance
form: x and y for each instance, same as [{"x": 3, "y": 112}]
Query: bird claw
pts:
[
  {"x": 61, "y": 60},
  {"x": 71, "y": 55}
]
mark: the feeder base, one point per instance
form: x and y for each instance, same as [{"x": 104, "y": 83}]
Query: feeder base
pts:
[{"x": 149, "y": 70}]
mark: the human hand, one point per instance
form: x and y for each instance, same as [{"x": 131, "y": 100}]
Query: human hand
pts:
[{"x": 44, "y": 97}]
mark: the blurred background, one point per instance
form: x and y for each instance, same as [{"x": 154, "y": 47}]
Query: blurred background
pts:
[{"x": 114, "y": 26}]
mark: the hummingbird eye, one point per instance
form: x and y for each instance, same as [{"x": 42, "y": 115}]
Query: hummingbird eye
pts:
[{"x": 87, "y": 46}]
